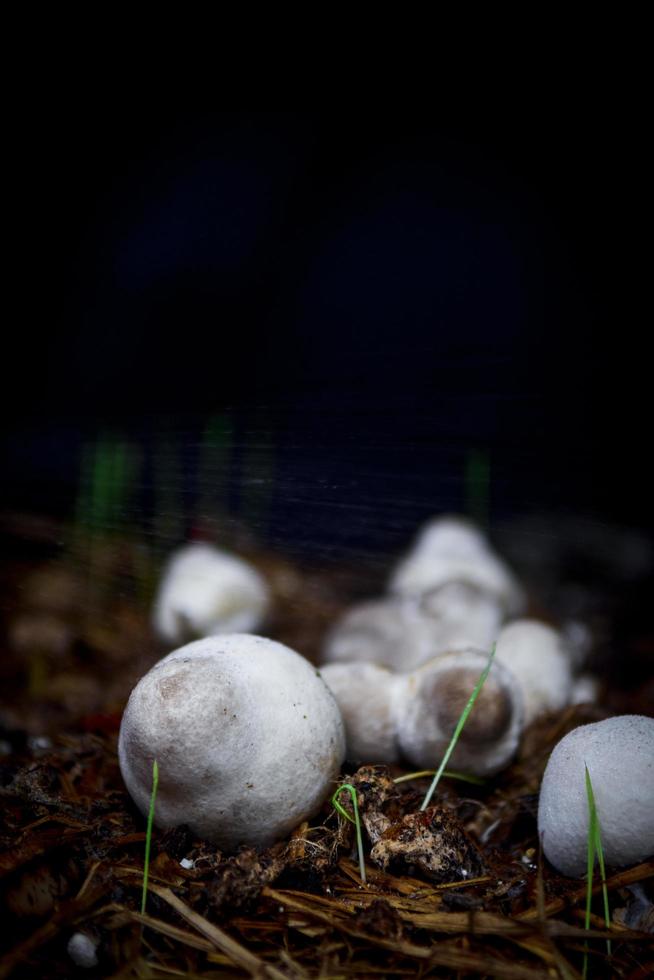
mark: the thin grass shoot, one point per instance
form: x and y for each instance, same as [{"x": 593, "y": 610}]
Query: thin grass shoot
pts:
[
  {"x": 464, "y": 777},
  {"x": 457, "y": 731},
  {"x": 356, "y": 821},
  {"x": 594, "y": 848},
  {"x": 148, "y": 834}
]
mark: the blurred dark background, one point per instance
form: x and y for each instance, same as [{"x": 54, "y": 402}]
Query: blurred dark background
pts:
[{"x": 371, "y": 305}]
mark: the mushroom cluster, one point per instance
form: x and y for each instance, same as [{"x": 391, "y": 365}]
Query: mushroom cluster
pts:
[
  {"x": 247, "y": 738},
  {"x": 402, "y": 667},
  {"x": 450, "y": 591},
  {"x": 390, "y": 716}
]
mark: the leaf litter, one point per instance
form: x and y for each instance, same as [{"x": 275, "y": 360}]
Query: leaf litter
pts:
[{"x": 458, "y": 889}]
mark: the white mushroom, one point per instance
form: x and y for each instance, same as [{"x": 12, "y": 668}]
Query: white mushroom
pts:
[
  {"x": 432, "y": 701},
  {"x": 413, "y": 715},
  {"x": 403, "y": 633},
  {"x": 368, "y": 698},
  {"x": 458, "y": 615},
  {"x": 205, "y": 592},
  {"x": 390, "y": 632},
  {"x": 619, "y": 754},
  {"x": 246, "y": 734},
  {"x": 450, "y": 549},
  {"x": 538, "y": 658}
]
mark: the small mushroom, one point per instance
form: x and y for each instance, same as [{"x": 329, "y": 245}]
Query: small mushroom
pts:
[
  {"x": 205, "y": 592},
  {"x": 368, "y": 697},
  {"x": 434, "y": 697},
  {"x": 450, "y": 549},
  {"x": 538, "y": 658},
  {"x": 619, "y": 754},
  {"x": 246, "y": 734},
  {"x": 390, "y": 632}
]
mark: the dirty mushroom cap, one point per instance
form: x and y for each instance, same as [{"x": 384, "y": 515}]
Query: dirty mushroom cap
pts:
[
  {"x": 434, "y": 697},
  {"x": 205, "y": 591},
  {"x": 450, "y": 549},
  {"x": 247, "y": 737},
  {"x": 367, "y": 696},
  {"x": 538, "y": 658},
  {"x": 619, "y": 754}
]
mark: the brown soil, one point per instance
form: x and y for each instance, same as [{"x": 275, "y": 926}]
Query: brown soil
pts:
[{"x": 76, "y": 638}]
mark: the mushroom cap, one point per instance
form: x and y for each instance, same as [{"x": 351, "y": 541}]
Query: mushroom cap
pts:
[
  {"x": 246, "y": 734},
  {"x": 450, "y": 549},
  {"x": 619, "y": 753},
  {"x": 537, "y": 656},
  {"x": 432, "y": 701},
  {"x": 204, "y": 592},
  {"x": 367, "y": 696},
  {"x": 403, "y": 633}
]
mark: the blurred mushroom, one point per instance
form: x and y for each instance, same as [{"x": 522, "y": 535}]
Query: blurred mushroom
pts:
[
  {"x": 205, "y": 592},
  {"x": 368, "y": 697},
  {"x": 450, "y": 549},
  {"x": 538, "y": 658}
]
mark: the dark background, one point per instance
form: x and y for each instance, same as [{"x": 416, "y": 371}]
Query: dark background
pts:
[{"x": 369, "y": 297}]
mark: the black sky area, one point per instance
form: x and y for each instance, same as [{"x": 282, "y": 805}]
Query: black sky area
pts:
[{"x": 380, "y": 286}]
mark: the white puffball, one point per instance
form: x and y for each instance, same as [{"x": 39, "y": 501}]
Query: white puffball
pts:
[
  {"x": 619, "y": 753},
  {"x": 247, "y": 737},
  {"x": 82, "y": 950},
  {"x": 538, "y": 658},
  {"x": 204, "y": 592},
  {"x": 450, "y": 549},
  {"x": 432, "y": 701},
  {"x": 367, "y": 696},
  {"x": 403, "y": 633}
]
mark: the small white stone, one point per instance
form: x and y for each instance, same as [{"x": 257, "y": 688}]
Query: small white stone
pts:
[
  {"x": 367, "y": 696},
  {"x": 619, "y": 754},
  {"x": 538, "y": 658},
  {"x": 83, "y": 950},
  {"x": 450, "y": 549},
  {"x": 204, "y": 592},
  {"x": 187, "y": 864},
  {"x": 432, "y": 701},
  {"x": 247, "y": 737}
]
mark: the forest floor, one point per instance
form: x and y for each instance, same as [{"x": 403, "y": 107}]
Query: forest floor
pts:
[{"x": 75, "y": 639}]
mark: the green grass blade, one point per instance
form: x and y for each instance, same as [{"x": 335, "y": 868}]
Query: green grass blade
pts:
[
  {"x": 457, "y": 731},
  {"x": 148, "y": 834},
  {"x": 356, "y": 821},
  {"x": 594, "y": 832}
]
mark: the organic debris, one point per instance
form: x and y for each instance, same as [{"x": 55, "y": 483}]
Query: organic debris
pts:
[{"x": 458, "y": 889}]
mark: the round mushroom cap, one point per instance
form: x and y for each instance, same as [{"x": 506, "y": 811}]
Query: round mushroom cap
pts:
[
  {"x": 537, "y": 656},
  {"x": 434, "y": 697},
  {"x": 204, "y": 592},
  {"x": 246, "y": 734},
  {"x": 458, "y": 615},
  {"x": 619, "y": 754},
  {"x": 367, "y": 696},
  {"x": 390, "y": 632},
  {"x": 450, "y": 549}
]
